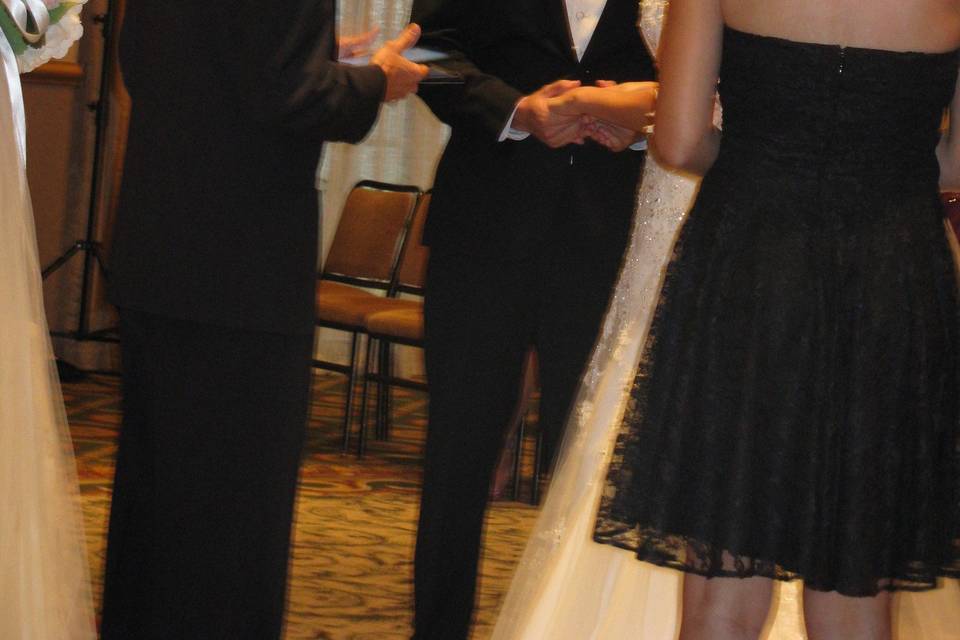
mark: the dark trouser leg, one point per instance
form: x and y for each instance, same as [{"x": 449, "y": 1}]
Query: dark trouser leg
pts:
[
  {"x": 578, "y": 283},
  {"x": 206, "y": 474},
  {"x": 478, "y": 324}
]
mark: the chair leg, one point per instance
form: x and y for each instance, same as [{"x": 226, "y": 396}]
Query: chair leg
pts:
[
  {"x": 364, "y": 402},
  {"x": 351, "y": 378},
  {"x": 387, "y": 390},
  {"x": 381, "y": 387},
  {"x": 537, "y": 464}
]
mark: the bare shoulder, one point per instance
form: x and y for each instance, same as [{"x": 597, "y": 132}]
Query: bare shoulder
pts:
[{"x": 899, "y": 25}]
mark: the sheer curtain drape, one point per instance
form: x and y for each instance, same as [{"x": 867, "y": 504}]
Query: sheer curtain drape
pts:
[{"x": 403, "y": 147}]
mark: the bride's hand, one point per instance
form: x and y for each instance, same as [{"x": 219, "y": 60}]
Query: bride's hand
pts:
[
  {"x": 612, "y": 136},
  {"x": 572, "y": 102},
  {"x": 628, "y": 87}
]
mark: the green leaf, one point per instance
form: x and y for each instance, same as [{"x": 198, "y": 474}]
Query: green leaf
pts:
[
  {"x": 10, "y": 30},
  {"x": 60, "y": 10},
  {"x": 12, "y": 33}
]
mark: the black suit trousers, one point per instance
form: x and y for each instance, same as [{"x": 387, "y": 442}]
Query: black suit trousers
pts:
[
  {"x": 481, "y": 316},
  {"x": 213, "y": 430}
]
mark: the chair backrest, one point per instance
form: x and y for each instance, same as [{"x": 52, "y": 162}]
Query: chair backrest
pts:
[
  {"x": 411, "y": 275},
  {"x": 370, "y": 234}
]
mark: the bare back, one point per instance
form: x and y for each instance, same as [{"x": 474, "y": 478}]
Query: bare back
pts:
[
  {"x": 898, "y": 25},
  {"x": 691, "y": 52}
]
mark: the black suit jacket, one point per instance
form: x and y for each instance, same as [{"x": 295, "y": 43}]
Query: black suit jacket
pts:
[
  {"x": 231, "y": 104},
  {"x": 504, "y": 198}
]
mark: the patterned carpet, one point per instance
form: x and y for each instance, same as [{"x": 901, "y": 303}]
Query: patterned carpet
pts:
[{"x": 356, "y": 519}]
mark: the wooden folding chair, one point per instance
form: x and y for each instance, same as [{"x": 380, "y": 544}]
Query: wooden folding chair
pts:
[
  {"x": 364, "y": 255},
  {"x": 396, "y": 321}
]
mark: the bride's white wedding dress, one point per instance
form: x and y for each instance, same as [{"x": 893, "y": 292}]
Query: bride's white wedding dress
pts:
[
  {"x": 568, "y": 587},
  {"x": 44, "y": 582}
]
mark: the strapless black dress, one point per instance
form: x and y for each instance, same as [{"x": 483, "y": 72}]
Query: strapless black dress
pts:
[{"x": 796, "y": 412}]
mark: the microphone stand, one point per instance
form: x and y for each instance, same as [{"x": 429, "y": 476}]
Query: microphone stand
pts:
[{"x": 91, "y": 249}]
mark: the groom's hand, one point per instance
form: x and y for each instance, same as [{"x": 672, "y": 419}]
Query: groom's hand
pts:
[
  {"x": 554, "y": 129},
  {"x": 403, "y": 76}
]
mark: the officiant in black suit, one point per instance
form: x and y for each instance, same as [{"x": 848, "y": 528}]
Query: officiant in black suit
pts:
[
  {"x": 527, "y": 230},
  {"x": 213, "y": 268}
]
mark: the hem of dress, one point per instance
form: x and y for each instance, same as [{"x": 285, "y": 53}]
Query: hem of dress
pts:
[{"x": 927, "y": 583}]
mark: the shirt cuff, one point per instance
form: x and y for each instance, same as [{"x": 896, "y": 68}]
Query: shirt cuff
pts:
[
  {"x": 640, "y": 145},
  {"x": 509, "y": 133}
]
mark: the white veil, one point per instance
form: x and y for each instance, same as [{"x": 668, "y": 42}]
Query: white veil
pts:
[
  {"x": 44, "y": 581},
  {"x": 566, "y": 585}
]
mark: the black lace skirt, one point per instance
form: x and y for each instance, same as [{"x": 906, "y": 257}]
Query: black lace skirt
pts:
[{"x": 796, "y": 412}]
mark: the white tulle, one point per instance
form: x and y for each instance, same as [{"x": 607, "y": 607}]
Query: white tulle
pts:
[
  {"x": 568, "y": 587},
  {"x": 44, "y": 582}
]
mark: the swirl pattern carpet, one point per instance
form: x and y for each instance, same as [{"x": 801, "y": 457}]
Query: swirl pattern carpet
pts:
[{"x": 351, "y": 572}]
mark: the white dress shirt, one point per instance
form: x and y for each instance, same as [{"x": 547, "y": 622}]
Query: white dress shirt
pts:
[{"x": 582, "y": 17}]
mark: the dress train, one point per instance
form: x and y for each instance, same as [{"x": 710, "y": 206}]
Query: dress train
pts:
[{"x": 44, "y": 581}]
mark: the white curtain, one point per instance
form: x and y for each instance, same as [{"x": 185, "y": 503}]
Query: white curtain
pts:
[{"x": 403, "y": 148}]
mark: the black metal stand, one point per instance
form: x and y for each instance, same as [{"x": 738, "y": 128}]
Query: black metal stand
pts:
[{"x": 91, "y": 249}]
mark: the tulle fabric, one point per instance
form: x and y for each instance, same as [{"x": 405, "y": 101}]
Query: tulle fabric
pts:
[
  {"x": 566, "y": 586},
  {"x": 44, "y": 581}
]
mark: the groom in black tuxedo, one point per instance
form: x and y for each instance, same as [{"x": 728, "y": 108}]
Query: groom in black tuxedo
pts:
[
  {"x": 526, "y": 231},
  {"x": 213, "y": 269}
]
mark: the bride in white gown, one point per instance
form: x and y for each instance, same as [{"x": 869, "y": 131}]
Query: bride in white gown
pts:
[
  {"x": 44, "y": 581},
  {"x": 569, "y": 588}
]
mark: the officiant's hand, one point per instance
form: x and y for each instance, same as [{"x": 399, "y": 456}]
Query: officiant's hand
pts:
[
  {"x": 356, "y": 45},
  {"x": 553, "y": 128},
  {"x": 403, "y": 76}
]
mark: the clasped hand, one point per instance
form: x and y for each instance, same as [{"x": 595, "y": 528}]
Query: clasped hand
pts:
[{"x": 557, "y": 115}]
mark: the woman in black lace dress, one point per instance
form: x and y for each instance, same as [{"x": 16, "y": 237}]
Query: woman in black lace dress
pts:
[{"x": 796, "y": 413}]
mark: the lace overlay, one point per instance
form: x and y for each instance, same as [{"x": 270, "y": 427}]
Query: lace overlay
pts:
[{"x": 795, "y": 411}]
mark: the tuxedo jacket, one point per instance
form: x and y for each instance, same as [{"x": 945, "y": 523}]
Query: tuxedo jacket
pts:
[
  {"x": 232, "y": 101},
  {"x": 502, "y": 199}
]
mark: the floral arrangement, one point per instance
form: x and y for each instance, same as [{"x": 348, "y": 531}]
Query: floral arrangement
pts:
[{"x": 39, "y": 30}]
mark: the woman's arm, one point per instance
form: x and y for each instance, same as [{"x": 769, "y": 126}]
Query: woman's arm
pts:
[
  {"x": 684, "y": 136},
  {"x": 948, "y": 151}
]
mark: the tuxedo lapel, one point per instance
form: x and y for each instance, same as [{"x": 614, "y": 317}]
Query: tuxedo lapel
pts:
[
  {"x": 559, "y": 26},
  {"x": 618, "y": 16}
]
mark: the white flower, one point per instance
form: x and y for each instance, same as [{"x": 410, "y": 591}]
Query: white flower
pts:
[{"x": 59, "y": 38}]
